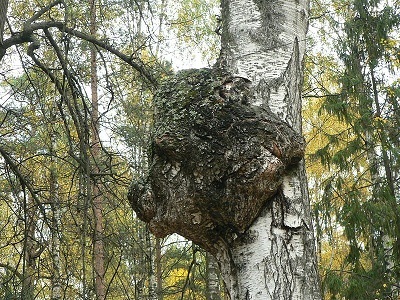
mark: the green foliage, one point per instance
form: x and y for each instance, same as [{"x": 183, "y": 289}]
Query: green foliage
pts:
[
  {"x": 185, "y": 274},
  {"x": 196, "y": 23},
  {"x": 356, "y": 194},
  {"x": 333, "y": 283}
]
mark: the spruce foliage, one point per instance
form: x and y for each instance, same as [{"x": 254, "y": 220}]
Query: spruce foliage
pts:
[{"x": 357, "y": 198}]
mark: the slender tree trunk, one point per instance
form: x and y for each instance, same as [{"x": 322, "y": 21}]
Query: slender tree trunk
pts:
[
  {"x": 141, "y": 273},
  {"x": 159, "y": 269},
  {"x": 391, "y": 245},
  {"x": 213, "y": 290},
  {"x": 3, "y": 18},
  {"x": 98, "y": 243},
  {"x": 192, "y": 280},
  {"x": 84, "y": 193},
  {"x": 152, "y": 289},
  {"x": 56, "y": 286},
  {"x": 161, "y": 18},
  {"x": 31, "y": 252},
  {"x": 264, "y": 41}
]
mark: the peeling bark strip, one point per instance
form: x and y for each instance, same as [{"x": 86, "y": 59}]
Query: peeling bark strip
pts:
[{"x": 215, "y": 160}]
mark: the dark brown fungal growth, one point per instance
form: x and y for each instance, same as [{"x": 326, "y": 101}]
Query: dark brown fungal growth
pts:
[{"x": 215, "y": 160}]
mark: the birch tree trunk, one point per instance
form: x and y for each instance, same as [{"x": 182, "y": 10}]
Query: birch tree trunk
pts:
[
  {"x": 152, "y": 289},
  {"x": 158, "y": 267},
  {"x": 213, "y": 290},
  {"x": 31, "y": 250},
  {"x": 264, "y": 41},
  {"x": 226, "y": 167},
  {"x": 56, "y": 284}
]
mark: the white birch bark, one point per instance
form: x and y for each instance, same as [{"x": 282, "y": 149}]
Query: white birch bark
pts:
[
  {"x": 158, "y": 267},
  {"x": 213, "y": 288},
  {"x": 56, "y": 284},
  {"x": 264, "y": 41},
  {"x": 152, "y": 290}
]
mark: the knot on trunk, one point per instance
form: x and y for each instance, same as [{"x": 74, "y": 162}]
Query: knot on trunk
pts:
[{"x": 214, "y": 159}]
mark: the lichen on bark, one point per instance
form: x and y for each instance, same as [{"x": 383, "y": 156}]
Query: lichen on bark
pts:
[{"x": 215, "y": 160}]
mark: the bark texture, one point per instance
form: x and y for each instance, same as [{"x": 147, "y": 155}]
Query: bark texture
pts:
[
  {"x": 213, "y": 285},
  {"x": 56, "y": 280},
  {"x": 215, "y": 160},
  {"x": 96, "y": 193},
  {"x": 3, "y": 18},
  {"x": 264, "y": 41},
  {"x": 225, "y": 165}
]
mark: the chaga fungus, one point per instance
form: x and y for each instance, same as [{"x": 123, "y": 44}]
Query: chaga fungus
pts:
[{"x": 215, "y": 160}]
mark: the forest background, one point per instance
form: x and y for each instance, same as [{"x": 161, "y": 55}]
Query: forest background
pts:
[{"x": 75, "y": 119}]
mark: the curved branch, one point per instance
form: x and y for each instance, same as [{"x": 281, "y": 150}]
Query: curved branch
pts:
[
  {"x": 24, "y": 182},
  {"x": 128, "y": 59},
  {"x": 59, "y": 86},
  {"x": 26, "y": 36},
  {"x": 43, "y": 11},
  {"x": 13, "y": 270},
  {"x": 60, "y": 89}
]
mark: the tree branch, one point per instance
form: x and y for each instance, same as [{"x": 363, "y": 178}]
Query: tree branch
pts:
[
  {"x": 12, "y": 269},
  {"x": 42, "y": 11},
  {"x": 26, "y": 36},
  {"x": 24, "y": 182}
]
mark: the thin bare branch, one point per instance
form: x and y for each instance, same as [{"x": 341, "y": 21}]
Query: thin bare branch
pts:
[
  {"x": 12, "y": 269},
  {"x": 24, "y": 182},
  {"x": 26, "y": 36},
  {"x": 40, "y": 13}
]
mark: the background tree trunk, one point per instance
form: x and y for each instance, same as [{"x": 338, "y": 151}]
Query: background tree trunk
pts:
[
  {"x": 3, "y": 18},
  {"x": 213, "y": 290},
  {"x": 159, "y": 269},
  {"x": 97, "y": 197},
  {"x": 56, "y": 284},
  {"x": 31, "y": 250},
  {"x": 264, "y": 41},
  {"x": 152, "y": 288}
]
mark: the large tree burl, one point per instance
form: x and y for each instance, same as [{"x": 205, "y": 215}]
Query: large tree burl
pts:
[{"x": 214, "y": 161}]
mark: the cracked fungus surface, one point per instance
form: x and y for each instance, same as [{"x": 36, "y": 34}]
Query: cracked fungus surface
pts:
[{"x": 215, "y": 159}]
